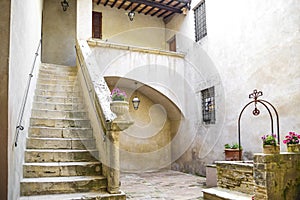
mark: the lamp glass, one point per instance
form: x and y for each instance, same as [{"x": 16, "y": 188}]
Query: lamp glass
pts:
[{"x": 135, "y": 102}]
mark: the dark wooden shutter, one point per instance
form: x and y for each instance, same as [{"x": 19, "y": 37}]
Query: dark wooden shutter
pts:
[{"x": 97, "y": 25}]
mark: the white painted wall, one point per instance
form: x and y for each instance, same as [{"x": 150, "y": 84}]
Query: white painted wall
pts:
[
  {"x": 142, "y": 31},
  {"x": 252, "y": 44},
  {"x": 26, "y": 20}
]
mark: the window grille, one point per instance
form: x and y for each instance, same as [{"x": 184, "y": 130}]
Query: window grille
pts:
[
  {"x": 208, "y": 105},
  {"x": 200, "y": 21}
]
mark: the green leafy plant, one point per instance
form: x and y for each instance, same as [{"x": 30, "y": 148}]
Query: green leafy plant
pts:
[
  {"x": 232, "y": 146},
  {"x": 269, "y": 139}
]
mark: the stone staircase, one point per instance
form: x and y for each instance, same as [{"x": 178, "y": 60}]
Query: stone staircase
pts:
[{"x": 60, "y": 156}]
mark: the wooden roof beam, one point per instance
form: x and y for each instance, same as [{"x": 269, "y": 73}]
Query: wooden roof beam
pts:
[
  {"x": 161, "y": 14},
  {"x": 120, "y": 6},
  {"x": 157, "y": 5},
  {"x": 113, "y": 4},
  {"x": 146, "y": 13},
  {"x": 98, "y": 2},
  {"x": 143, "y": 8},
  {"x": 135, "y": 7},
  {"x": 106, "y": 2},
  {"x": 128, "y": 6}
]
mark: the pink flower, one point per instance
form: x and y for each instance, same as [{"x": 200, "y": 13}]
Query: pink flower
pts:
[{"x": 285, "y": 141}]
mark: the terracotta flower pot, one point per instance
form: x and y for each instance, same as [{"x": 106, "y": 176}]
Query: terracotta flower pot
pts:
[
  {"x": 119, "y": 108},
  {"x": 271, "y": 149},
  {"x": 293, "y": 148},
  {"x": 232, "y": 154}
]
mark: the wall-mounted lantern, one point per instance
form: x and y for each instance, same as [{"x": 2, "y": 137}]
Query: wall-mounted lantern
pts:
[
  {"x": 64, "y": 4},
  {"x": 131, "y": 15}
]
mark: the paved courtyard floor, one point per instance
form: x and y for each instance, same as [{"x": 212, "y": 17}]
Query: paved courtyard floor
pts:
[{"x": 162, "y": 185}]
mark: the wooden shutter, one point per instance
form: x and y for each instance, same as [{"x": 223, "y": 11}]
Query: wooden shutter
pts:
[{"x": 97, "y": 25}]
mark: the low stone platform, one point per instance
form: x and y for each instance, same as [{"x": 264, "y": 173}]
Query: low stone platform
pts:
[
  {"x": 162, "y": 185},
  {"x": 224, "y": 194}
]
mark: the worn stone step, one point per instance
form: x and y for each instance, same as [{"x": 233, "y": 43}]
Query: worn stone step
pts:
[
  {"x": 58, "y": 77},
  {"x": 78, "y": 196},
  {"x": 56, "y": 87},
  {"x": 57, "y": 93},
  {"x": 35, "y": 170},
  {"x": 50, "y": 132},
  {"x": 57, "y": 99},
  {"x": 58, "y": 71},
  {"x": 217, "y": 193},
  {"x": 58, "y": 114},
  {"x": 58, "y": 106},
  {"x": 60, "y": 155},
  {"x": 60, "y": 123},
  {"x": 56, "y": 185},
  {"x": 55, "y": 81},
  {"x": 47, "y": 66},
  {"x": 60, "y": 143}
]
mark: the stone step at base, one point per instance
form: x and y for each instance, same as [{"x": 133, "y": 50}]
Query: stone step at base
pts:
[
  {"x": 58, "y": 77},
  {"x": 60, "y": 155},
  {"x": 78, "y": 196},
  {"x": 57, "y": 93},
  {"x": 57, "y": 67},
  {"x": 36, "y": 170},
  {"x": 58, "y": 72},
  {"x": 217, "y": 193},
  {"x": 48, "y": 132},
  {"x": 60, "y": 143},
  {"x": 58, "y": 114},
  {"x": 57, "y": 185},
  {"x": 57, "y": 99},
  {"x": 60, "y": 123},
  {"x": 57, "y": 106}
]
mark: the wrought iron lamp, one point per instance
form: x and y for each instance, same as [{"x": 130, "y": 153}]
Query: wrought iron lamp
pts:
[
  {"x": 65, "y": 4},
  {"x": 136, "y": 101},
  {"x": 131, "y": 15}
]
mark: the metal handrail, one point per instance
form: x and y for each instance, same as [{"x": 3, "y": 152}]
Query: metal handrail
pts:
[{"x": 21, "y": 113}]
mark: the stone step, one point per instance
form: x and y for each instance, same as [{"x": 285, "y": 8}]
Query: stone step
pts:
[
  {"x": 56, "y": 87},
  {"x": 58, "y": 71},
  {"x": 57, "y": 106},
  {"x": 78, "y": 196},
  {"x": 56, "y": 185},
  {"x": 60, "y": 123},
  {"x": 60, "y": 143},
  {"x": 57, "y": 99},
  {"x": 55, "y": 81},
  {"x": 58, "y": 114},
  {"x": 57, "y": 93},
  {"x": 49, "y": 132},
  {"x": 58, "y": 77},
  {"x": 217, "y": 193},
  {"x": 36, "y": 170},
  {"x": 60, "y": 155},
  {"x": 58, "y": 67}
]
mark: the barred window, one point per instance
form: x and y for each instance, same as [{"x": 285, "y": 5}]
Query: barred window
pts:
[
  {"x": 200, "y": 21},
  {"x": 208, "y": 105}
]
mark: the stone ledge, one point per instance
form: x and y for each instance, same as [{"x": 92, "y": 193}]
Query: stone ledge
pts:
[
  {"x": 103, "y": 43},
  {"x": 224, "y": 194}
]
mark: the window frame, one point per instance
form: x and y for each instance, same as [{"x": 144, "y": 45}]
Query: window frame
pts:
[
  {"x": 208, "y": 106},
  {"x": 200, "y": 20}
]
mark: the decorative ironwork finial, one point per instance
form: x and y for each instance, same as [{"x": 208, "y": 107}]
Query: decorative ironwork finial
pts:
[{"x": 254, "y": 96}]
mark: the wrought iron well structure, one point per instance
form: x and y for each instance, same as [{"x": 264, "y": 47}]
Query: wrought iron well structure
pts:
[{"x": 255, "y": 95}]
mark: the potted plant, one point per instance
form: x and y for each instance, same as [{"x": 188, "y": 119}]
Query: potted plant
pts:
[
  {"x": 292, "y": 142},
  {"x": 118, "y": 105},
  {"x": 233, "y": 151},
  {"x": 270, "y": 144}
]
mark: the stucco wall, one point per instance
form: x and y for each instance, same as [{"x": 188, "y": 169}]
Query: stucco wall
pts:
[
  {"x": 142, "y": 31},
  {"x": 26, "y": 19},
  {"x": 252, "y": 44},
  {"x": 59, "y": 33}
]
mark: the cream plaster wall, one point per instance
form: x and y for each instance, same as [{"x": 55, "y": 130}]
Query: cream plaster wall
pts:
[
  {"x": 25, "y": 28},
  {"x": 59, "y": 33},
  {"x": 252, "y": 44},
  {"x": 143, "y": 31},
  {"x": 84, "y": 19}
]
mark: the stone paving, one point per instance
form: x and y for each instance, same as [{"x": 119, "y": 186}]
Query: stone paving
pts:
[{"x": 162, "y": 185}]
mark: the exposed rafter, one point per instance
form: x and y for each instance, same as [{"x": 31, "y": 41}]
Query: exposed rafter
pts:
[{"x": 157, "y": 5}]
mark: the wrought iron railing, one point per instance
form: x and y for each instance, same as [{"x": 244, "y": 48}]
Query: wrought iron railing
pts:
[{"x": 24, "y": 101}]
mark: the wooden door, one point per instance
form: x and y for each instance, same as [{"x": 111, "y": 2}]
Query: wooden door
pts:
[{"x": 97, "y": 25}]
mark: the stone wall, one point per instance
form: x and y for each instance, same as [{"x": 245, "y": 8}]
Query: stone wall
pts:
[
  {"x": 277, "y": 176},
  {"x": 236, "y": 175}
]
